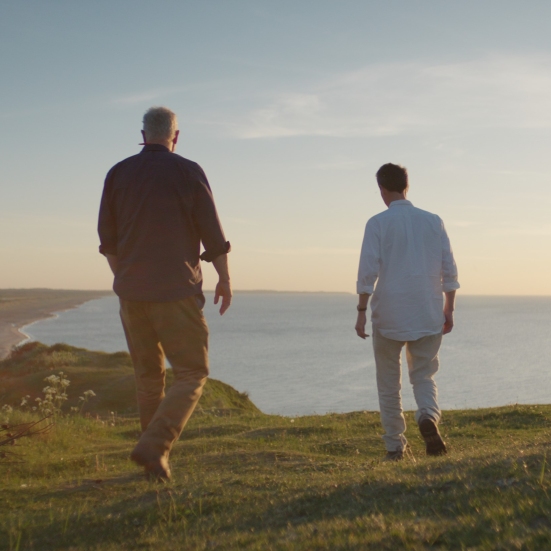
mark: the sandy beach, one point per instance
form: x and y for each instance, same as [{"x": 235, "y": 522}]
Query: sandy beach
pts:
[{"x": 19, "y": 307}]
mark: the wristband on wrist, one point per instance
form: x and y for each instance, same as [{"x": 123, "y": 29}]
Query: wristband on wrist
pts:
[{"x": 361, "y": 309}]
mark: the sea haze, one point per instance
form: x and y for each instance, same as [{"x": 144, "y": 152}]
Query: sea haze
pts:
[{"x": 298, "y": 354}]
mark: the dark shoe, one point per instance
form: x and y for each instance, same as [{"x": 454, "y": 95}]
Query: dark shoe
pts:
[
  {"x": 397, "y": 455},
  {"x": 433, "y": 441},
  {"x": 156, "y": 466}
]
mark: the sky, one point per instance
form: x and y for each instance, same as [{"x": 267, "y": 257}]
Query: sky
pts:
[{"x": 290, "y": 107}]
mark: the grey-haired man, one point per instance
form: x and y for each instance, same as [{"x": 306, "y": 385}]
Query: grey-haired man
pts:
[
  {"x": 156, "y": 210},
  {"x": 407, "y": 254}
]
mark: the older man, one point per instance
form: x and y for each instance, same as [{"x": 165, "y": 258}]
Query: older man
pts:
[
  {"x": 156, "y": 210},
  {"x": 406, "y": 251}
]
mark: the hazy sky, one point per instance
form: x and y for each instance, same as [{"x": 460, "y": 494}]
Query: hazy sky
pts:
[{"x": 290, "y": 107}]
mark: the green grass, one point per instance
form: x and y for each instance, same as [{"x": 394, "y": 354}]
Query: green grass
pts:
[{"x": 245, "y": 480}]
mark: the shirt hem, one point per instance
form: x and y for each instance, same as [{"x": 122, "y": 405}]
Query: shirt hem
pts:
[
  {"x": 152, "y": 297},
  {"x": 406, "y": 336}
]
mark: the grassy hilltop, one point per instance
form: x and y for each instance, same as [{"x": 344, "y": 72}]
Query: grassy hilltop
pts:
[
  {"x": 110, "y": 376},
  {"x": 245, "y": 480}
]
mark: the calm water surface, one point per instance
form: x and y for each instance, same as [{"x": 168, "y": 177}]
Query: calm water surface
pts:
[{"x": 298, "y": 354}]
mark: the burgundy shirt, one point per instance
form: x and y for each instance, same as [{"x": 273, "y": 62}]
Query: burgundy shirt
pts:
[{"x": 156, "y": 210}]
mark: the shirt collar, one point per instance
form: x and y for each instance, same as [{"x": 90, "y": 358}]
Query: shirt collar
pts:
[
  {"x": 399, "y": 202},
  {"x": 155, "y": 147}
]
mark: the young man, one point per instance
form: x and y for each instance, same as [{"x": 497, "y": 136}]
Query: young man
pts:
[
  {"x": 156, "y": 210},
  {"x": 406, "y": 251}
]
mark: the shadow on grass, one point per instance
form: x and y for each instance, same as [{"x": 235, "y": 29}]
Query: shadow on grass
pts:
[
  {"x": 403, "y": 503},
  {"x": 115, "y": 521},
  {"x": 454, "y": 513}
]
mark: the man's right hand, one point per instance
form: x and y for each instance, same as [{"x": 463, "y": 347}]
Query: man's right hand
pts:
[
  {"x": 223, "y": 289},
  {"x": 448, "y": 322},
  {"x": 448, "y": 312},
  {"x": 360, "y": 325}
]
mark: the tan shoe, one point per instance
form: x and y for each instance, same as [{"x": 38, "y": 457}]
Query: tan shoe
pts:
[{"x": 156, "y": 466}]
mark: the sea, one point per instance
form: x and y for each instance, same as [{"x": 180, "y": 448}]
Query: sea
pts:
[{"x": 298, "y": 354}]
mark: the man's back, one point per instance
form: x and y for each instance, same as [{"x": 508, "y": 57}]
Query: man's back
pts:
[
  {"x": 156, "y": 209},
  {"x": 407, "y": 251}
]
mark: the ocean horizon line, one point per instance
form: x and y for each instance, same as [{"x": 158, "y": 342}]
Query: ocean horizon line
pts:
[{"x": 267, "y": 291}]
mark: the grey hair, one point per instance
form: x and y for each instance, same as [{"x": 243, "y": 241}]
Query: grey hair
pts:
[{"x": 159, "y": 123}]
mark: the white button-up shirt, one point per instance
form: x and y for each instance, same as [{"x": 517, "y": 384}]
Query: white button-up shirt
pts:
[{"x": 407, "y": 252}]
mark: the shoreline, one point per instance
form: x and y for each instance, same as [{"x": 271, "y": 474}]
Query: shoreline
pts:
[
  {"x": 19, "y": 337},
  {"x": 20, "y": 308},
  {"x": 53, "y": 315}
]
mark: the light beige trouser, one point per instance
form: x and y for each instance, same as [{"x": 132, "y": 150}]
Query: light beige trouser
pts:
[
  {"x": 180, "y": 331},
  {"x": 422, "y": 359}
]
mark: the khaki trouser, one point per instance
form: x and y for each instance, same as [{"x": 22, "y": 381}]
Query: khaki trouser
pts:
[
  {"x": 422, "y": 359},
  {"x": 180, "y": 331}
]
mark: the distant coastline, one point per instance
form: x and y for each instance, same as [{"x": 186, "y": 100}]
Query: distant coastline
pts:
[{"x": 20, "y": 308}]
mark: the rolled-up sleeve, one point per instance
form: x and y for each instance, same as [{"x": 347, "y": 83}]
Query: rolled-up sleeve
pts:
[
  {"x": 449, "y": 268},
  {"x": 206, "y": 217},
  {"x": 370, "y": 258}
]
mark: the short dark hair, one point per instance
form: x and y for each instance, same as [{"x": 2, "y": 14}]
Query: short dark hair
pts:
[{"x": 393, "y": 177}]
